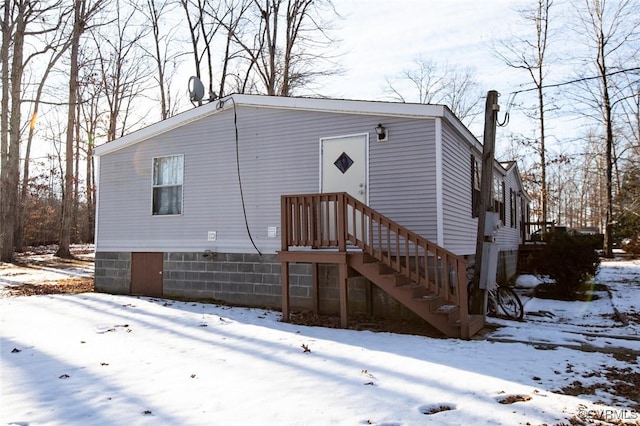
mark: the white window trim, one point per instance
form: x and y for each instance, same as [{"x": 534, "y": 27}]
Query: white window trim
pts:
[{"x": 153, "y": 186}]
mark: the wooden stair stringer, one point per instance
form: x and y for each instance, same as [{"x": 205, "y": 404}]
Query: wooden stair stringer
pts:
[{"x": 443, "y": 315}]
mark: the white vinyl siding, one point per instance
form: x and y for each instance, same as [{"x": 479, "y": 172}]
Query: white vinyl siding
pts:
[
  {"x": 277, "y": 152},
  {"x": 459, "y": 226},
  {"x": 509, "y": 235},
  {"x": 402, "y": 175}
]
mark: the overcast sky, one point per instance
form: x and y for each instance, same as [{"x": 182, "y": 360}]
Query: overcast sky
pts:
[{"x": 380, "y": 38}]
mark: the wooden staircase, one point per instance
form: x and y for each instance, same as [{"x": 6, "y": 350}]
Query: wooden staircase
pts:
[{"x": 337, "y": 228}]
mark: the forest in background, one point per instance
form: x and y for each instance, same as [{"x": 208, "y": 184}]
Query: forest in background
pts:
[{"x": 75, "y": 74}]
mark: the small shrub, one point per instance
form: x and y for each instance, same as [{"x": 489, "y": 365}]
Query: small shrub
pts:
[
  {"x": 632, "y": 245},
  {"x": 569, "y": 261}
]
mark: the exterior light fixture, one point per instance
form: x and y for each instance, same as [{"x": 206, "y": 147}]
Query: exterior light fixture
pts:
[{"x": 381, "y": 131}]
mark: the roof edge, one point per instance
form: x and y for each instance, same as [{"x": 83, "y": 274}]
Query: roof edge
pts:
[{"x": 340, "y": 106}]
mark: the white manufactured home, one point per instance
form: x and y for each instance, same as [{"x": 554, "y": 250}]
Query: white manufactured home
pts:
[{"x": 227, "y": 201}]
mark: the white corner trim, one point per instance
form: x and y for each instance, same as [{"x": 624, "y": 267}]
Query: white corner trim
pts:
[
  {"x": 96, "y": 194},
  {"x": 439, "y": 184}
]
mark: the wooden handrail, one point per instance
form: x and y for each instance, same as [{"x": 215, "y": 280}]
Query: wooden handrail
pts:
[{"x": 338, "y": 220}]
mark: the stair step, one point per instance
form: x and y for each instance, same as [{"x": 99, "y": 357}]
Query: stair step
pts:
[
  {"x": 402, "y": 280},
  {"x": 367, "y": 258},
  {"x": 450, "y": 311},
  {"x": 476, "y": 322},
  {"x": 437, "y": 310},
  {"x": 385, "y": 269},
  {"x": 420, "y": 291},
  {"x": 446, "y": 309},
  {"x": 433, "y": 301},
  {"x": 428, "y": 297}
]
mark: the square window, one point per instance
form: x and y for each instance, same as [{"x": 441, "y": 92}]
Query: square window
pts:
[{"x": 343, "y": 163}]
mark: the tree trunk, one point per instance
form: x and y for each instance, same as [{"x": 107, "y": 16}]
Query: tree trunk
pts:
[
  {"x": 11, "y": 168},
  {"x": 6, "y": 233},
  {"x": 608, "y": 234},
  {"x": 67, "y": 196},
  {"x": 155, "y": 28}
]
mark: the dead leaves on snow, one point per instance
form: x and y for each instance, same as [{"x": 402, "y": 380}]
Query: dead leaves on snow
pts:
[
  {"x": 431, "y": 409},
  {"x": 65, "y": 286},
  {"x": 510, "y": 399}
]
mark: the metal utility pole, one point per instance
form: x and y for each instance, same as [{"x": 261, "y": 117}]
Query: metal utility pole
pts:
[{"x": 478, "y": 295}]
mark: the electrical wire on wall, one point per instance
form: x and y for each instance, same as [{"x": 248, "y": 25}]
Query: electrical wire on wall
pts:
[{"x": 244, "y": 210}]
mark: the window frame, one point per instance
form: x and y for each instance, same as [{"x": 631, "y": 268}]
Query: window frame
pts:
[
  {"x": 476, "y": 174},
  {"x": 155, "y": 186},
  {"x": 514, "y": 207},
  {"x": 499, "y": 195}
]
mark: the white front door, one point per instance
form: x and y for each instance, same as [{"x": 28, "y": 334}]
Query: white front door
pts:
[
  {"x": 344, "y": 169},
  {"x": 344, "y": 166}
]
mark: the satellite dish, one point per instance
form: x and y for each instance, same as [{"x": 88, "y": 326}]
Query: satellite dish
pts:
[{"x": 196, "y": 89}]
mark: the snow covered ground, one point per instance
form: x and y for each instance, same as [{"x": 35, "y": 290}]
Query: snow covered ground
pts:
[{"x": 103, "y": 359}]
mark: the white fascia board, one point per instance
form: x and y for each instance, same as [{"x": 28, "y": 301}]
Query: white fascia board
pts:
[
  {"x": 338, "y": 106},
  {"x": 341, "y": 106},
  {"x": 451, "y": 118}
]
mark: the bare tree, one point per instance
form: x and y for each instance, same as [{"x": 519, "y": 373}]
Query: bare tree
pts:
[
  {"x": 58, "y": 47},
  {"x": 22, "y": 22},
  {"x": 90, "y": 93},
  {"x": 6, "y": 230},
  {"x": 124, "y": 72},
  {"x": 428, "y": 82},
  {"x": 84, "y": 11},
  {"x": 194, "y": 32},
  {"x": 22, "y": 14},
  {"x": 164, "y": 56},
  {"x": 215, "y": 28},
  {"x": 202, "y": 29},
  {"x": 201, "y": 32},
  {"x": 289, "y": 44},
  {"x": 530, "y": 55},
  {"x": 231, "y": 18},
  {"x": 629, "y": 117},
  {"x": 627, "y": 199},
  {"x": 611, "y": 31}
]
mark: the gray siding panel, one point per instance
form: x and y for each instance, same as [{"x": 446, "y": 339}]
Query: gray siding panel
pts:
[
  {"x": 509, "y": 237},
  {"x": 402, "y": 176},
  {"x": 278, "y": 154},
  {"x": 459, "y": 226}
]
